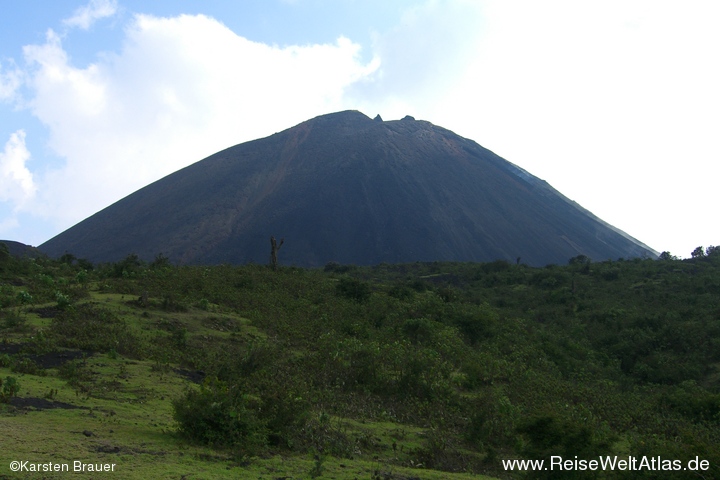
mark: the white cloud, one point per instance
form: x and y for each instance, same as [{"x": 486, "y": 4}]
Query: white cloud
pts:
[
  {"x": 422, "y": 57},
  {"x": 61, "y": 90},
  {"x": 603, "y": 100},
  {"x": 95, "y": 10},
  {"x": 16, "y": 181},
  {"x": 10, "y": 82},
  {"x": 630, "y": 98},
  {"x": 180, "y": 89},
  {"x": 609, "y": 102}
]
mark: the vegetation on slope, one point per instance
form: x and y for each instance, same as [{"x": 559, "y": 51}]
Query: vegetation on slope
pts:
[{"x": 392, "y": 371}]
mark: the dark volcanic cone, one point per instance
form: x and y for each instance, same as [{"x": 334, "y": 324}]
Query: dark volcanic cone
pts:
[{"x": 345, "y": 188}]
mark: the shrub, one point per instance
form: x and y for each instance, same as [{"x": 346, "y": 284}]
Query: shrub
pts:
[
  {"x": 13, "y": 320},
  {"x": 611, "y": 274},
  {"x": 694, "y": 401},
  {"x": 40, "y": 343},
  {"x": 401, "y": 292},
  {"x": 220, "y": 416},
  {"x": 447, "y": 294},
  {"x": 171, "y": 304},
  {"x": 357, "y": 366},
  {"x": 579, "y": 260},
  {"x": 24, "y": 297},
  {"x": 76, "y": 373},
  {"x": 335, "y": 267},
  {"x": 420, "y": 330},
  {"x": 494, "y": 267},
  {"x": 549, "y": 435},
  {"x": 63, "y": 301},
  {"x": 25, "y": 365},
  {"x": 353, "y": 289},
  {"x": 285, "y": 413},
  {"x": 127, "y": 268},
  {"x": 424, "y": 375},
  {"x": 476, "y": 324},
  {"x": 5, "y": 360},
  {"x": 8, "y": 389},
  {"x": 90, "y": 327}
]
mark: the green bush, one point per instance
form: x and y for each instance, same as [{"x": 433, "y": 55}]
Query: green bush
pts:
[
  {"x": 353, "y": 289},
  {"x": 476, "y": 323},
  {"x": 76, "y": 373},
  {"x": 284, "y": 412},
  {"x": 8, "y": 389},
  {"x": 94, "y": 328},
  {"x": 694, "y": 401},
  {"x": 24, "y": 297},
  {"x": 335, "y": 267},
  {"x": 26, "y": 365},
  {"x": 63, "y": 301},
  {"x": 420, "y": 330},
  {"x": 13, "y": 320},
  {"x": 5, "y": 360},
  {"x": 221, "y": 416},
  {"x": 401, "y": 292},
  {"x": 548, "y": 435},
  {"x": 424, "y": 375}
]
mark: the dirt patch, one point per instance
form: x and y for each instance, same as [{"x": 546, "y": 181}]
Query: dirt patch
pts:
[
  {"x": 105, "y": 448},
  {"x": 32, "y": 403},
  {"x": 221, "y": 324},
  {"x": 45, "y": 360},
  {"x": 195, "y": 376},
  {"x": 46, "y": 312},
  {"x": 57, "y": 359},
  {"x": 142, "y": 451},
  {"x": 10, "y": 348},
  {"x": 392, "y": 476}
]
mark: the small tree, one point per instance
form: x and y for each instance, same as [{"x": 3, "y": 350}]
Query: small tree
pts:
[
  {"x": 68, "y": 258},
  {"x": 8, "y": 389},
  {"x": 579, "y": 260},
  {"x": 667, "y": 256},
  {"x": 353, "y": 289},
  {"x": 274, "y": 248},
  {"x": 698, "y": 252},
  {"x": 24, "y": 297}
]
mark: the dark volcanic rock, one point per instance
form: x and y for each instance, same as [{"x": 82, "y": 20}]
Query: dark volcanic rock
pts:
[
  {"x": 344, "y": 188},
  {"x": 32, "y": 403}
]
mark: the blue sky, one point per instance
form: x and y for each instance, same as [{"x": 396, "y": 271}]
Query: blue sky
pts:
[{"x": 614, "y": 103}]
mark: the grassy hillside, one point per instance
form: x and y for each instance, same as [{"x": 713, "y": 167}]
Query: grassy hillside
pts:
[{"x": 432, "y": 370}]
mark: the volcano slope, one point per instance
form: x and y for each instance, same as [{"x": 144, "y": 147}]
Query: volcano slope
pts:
[{"x": 345, "y": 188}]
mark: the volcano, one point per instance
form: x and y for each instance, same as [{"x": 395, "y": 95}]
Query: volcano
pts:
[{"x": 346, "y": 188}]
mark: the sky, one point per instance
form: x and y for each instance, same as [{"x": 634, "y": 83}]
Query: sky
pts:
[{"x": 616, "y": 104}]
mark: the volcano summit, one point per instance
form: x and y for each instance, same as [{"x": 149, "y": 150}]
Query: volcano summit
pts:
[{"x": 345, "y": 188}]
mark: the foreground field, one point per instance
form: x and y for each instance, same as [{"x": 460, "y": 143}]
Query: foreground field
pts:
[{"x": 392, "y": 372}]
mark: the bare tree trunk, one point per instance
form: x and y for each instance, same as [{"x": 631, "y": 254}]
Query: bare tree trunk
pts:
[{"x": 274, "y": 247}]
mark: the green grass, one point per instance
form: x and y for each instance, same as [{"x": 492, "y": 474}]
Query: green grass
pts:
[
  {"x": 126, "y": 420},
  {"x": 429, "y": 370},
  {"x": 125, "y": 414}
]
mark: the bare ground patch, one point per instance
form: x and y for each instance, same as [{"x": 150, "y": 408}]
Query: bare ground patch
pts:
[
  {"x": 34, "y": 403},
  {"x": 45, "y": 360}
]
